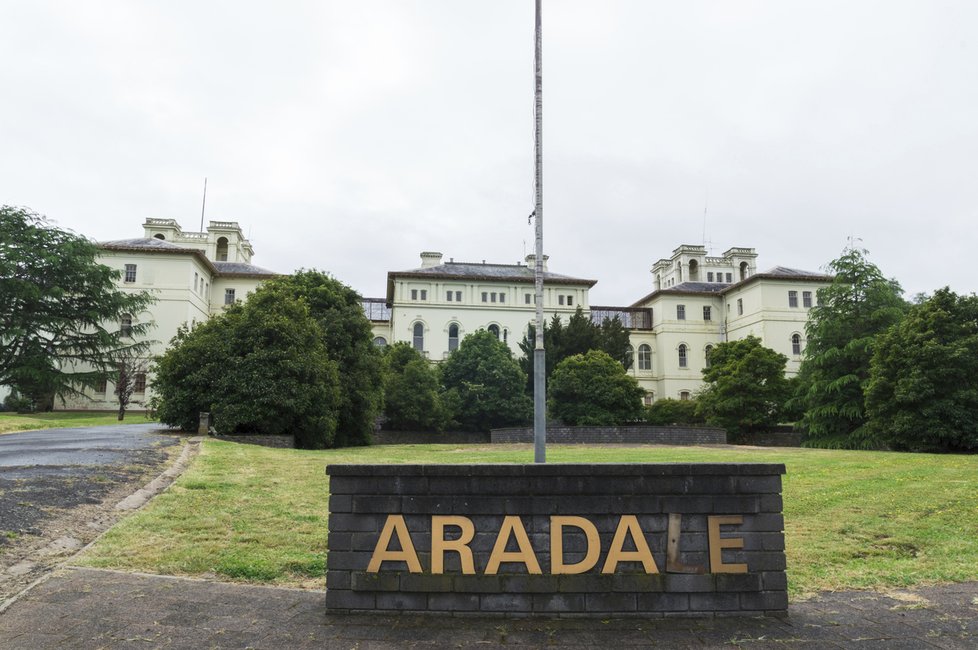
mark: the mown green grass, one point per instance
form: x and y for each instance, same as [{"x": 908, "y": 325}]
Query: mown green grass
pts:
[
  {"x": 11, "y": 422},
  {"x": 854, "y": 520}
]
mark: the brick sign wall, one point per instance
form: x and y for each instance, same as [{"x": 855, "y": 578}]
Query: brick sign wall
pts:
[{"x": 635, "y": 539}]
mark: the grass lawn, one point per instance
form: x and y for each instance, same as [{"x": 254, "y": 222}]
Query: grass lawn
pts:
[
  {"x": 10, "y": 422},
  {"x": 854, "y": 520}
]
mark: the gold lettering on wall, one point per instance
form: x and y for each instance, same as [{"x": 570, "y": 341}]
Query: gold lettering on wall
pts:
[
  {"x": 628, "y": 525},
  {"x": 717, "y": 543},
  {"x": 394, "y": 526},
  {"x": 512, "y": 527},
  {"x": 557, "y": 524},
  {"x": 461, "y": 545}
]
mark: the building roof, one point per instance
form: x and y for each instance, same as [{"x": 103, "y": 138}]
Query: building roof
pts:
[
  {"x": 241, "y": 269},
  {"x": 483, "y": 271},
  {"x": 154, "y": 245},
  {"x": 480, "y": 272},
  {"x": 719, "y": 288},
  {"x": 140, "y": 243}
]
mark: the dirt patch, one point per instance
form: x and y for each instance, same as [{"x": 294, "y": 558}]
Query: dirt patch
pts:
[{"x": 48, "y": 513}]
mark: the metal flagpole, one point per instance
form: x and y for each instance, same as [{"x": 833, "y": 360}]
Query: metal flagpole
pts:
[{"x": 539, "y": 355}]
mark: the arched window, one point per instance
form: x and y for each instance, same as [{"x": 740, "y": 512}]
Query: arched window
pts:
[
  {"x": 644, "y": 357},
  {"x": 159, "y": 235},
  {"x": 629, "y": 359},
  {"x": 649, "y": 398},
  {"x": 419, "y": 337},
  {"x": 743, "y": 270},
  {"x": 683, "y": 357},
  {"x": 694, "y": 271},
  {"x": 453, "y": 337},
  {"x": 494, "y": 330},
  {"x": 125, "y": 325},
  {"x": 796, "y": 344},
  {"x": 380, "y": 342},
  {"x": 706, "y": 354},
  {"x": 222, "y": 249}
]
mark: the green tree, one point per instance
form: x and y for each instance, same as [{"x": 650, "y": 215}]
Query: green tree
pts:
[
  {"x": 349, "y": 342},
  {"x": 579, "y": 335},
  {"x": 593, "y": 389},
  {"x": 412, "y": 395},
  {"x": 261, "y": 367},
  {"x": 666, "y": 411},
  {"x": 923, "y": 387},
  {"x": 745, "y": 388},
  {"x": 842, "y": 329},
  {"x": 59, "y": 309},
  {"x": 484, "y": 385}
]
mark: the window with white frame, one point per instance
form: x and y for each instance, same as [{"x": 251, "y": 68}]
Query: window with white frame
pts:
[
  {"x": 740, "y": 306},
  {"x": 130, "y": 273},
  {"x": 449, "y": 295},
  {"x": 527, "y": 298},
  {"x": 494, "y": 330},
  {"x": 792, "y": 298},
  {"x": 485, "y": 296},
  {"x": 684, "y": 395},
  {"x": 644, "y": 357},
  {"x": 414, "y": 294},
  {"x": 125, "y": 325},
  {"x": 707, "y": 353},
  {"x": 796, "y": 344},
  {"x": 453, "y": 337},
  {"x": 680, "y": 312},
  {"x": 229, "y": 296},
  {"x": 418, "y": 339},
  {"x": 683, "y": 356},
  {"x": 707, "y": 313},
  {"x": 139, "y": 383},
  {"x": 806, "y": 298}
]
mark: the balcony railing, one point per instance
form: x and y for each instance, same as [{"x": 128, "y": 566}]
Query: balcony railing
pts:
[{"x": 632, "y": 318}]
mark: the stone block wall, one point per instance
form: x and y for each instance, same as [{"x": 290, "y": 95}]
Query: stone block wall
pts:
[
  {"x": 700, "y": 525},
  {"x": 635, "y": 434}
]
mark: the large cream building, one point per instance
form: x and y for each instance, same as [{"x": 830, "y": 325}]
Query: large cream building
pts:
[
  {"x": 697, "y": 301},
  {"x": 192, "y": 275}
]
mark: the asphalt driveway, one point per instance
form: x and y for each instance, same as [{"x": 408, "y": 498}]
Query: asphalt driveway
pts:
[{"x": 55, "y": 482}]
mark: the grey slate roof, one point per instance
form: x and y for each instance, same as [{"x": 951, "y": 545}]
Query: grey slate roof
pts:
[
  {"x": 477, "y": 271},
  {"x": 154, "y": 245},
  {"x": 784, "y": 271},
  {"x": 143, "y": 242},
  {"x": 240, "y": 268}
]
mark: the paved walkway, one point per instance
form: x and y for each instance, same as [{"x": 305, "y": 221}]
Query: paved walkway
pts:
[{"x": 87, "y": 608}]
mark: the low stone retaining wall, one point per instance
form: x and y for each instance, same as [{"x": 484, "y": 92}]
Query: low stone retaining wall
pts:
[
  {"x": 635, "y": 434},
  {"x": 429, "y": 438},
  {"x": 282, "y": 442},
  {"x": 632, "y": 539}
]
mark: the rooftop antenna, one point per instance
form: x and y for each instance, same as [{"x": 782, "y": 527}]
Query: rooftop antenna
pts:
[
  {"x": 203, "y": 204},
  {"x": 706, "y": 200}
]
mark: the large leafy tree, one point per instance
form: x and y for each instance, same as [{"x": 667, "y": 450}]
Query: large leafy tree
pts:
[
  {"x": 484, "y": 385},
  {"x": 60, "y": 309},
  {"x": 745, "y": 388},
  {"x": 577, "y": 336},
  {"x": 594, "y": 389},
  {"x": 842, "y": 329},
  {"x": 923, "y": 387},
  {"x": 261, "y": 367},
  {"x": 348, "y": 340},
  {"x": 412, "y": 392}
]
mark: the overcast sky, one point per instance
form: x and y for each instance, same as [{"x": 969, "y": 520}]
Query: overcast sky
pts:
[{"x": 351, "y": 135}]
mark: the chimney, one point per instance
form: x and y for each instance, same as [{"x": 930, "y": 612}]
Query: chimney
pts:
[
  {"x": 531, "y": 261},
  {"x": 429, "y": 258}
]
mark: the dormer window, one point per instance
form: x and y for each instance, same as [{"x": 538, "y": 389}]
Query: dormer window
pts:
[{"x": 159, "y": 236}]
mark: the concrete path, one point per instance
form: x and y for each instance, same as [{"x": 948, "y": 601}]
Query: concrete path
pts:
[
  {"x": 87, "y": 608},
  {"x": 58, "y": 489}
]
